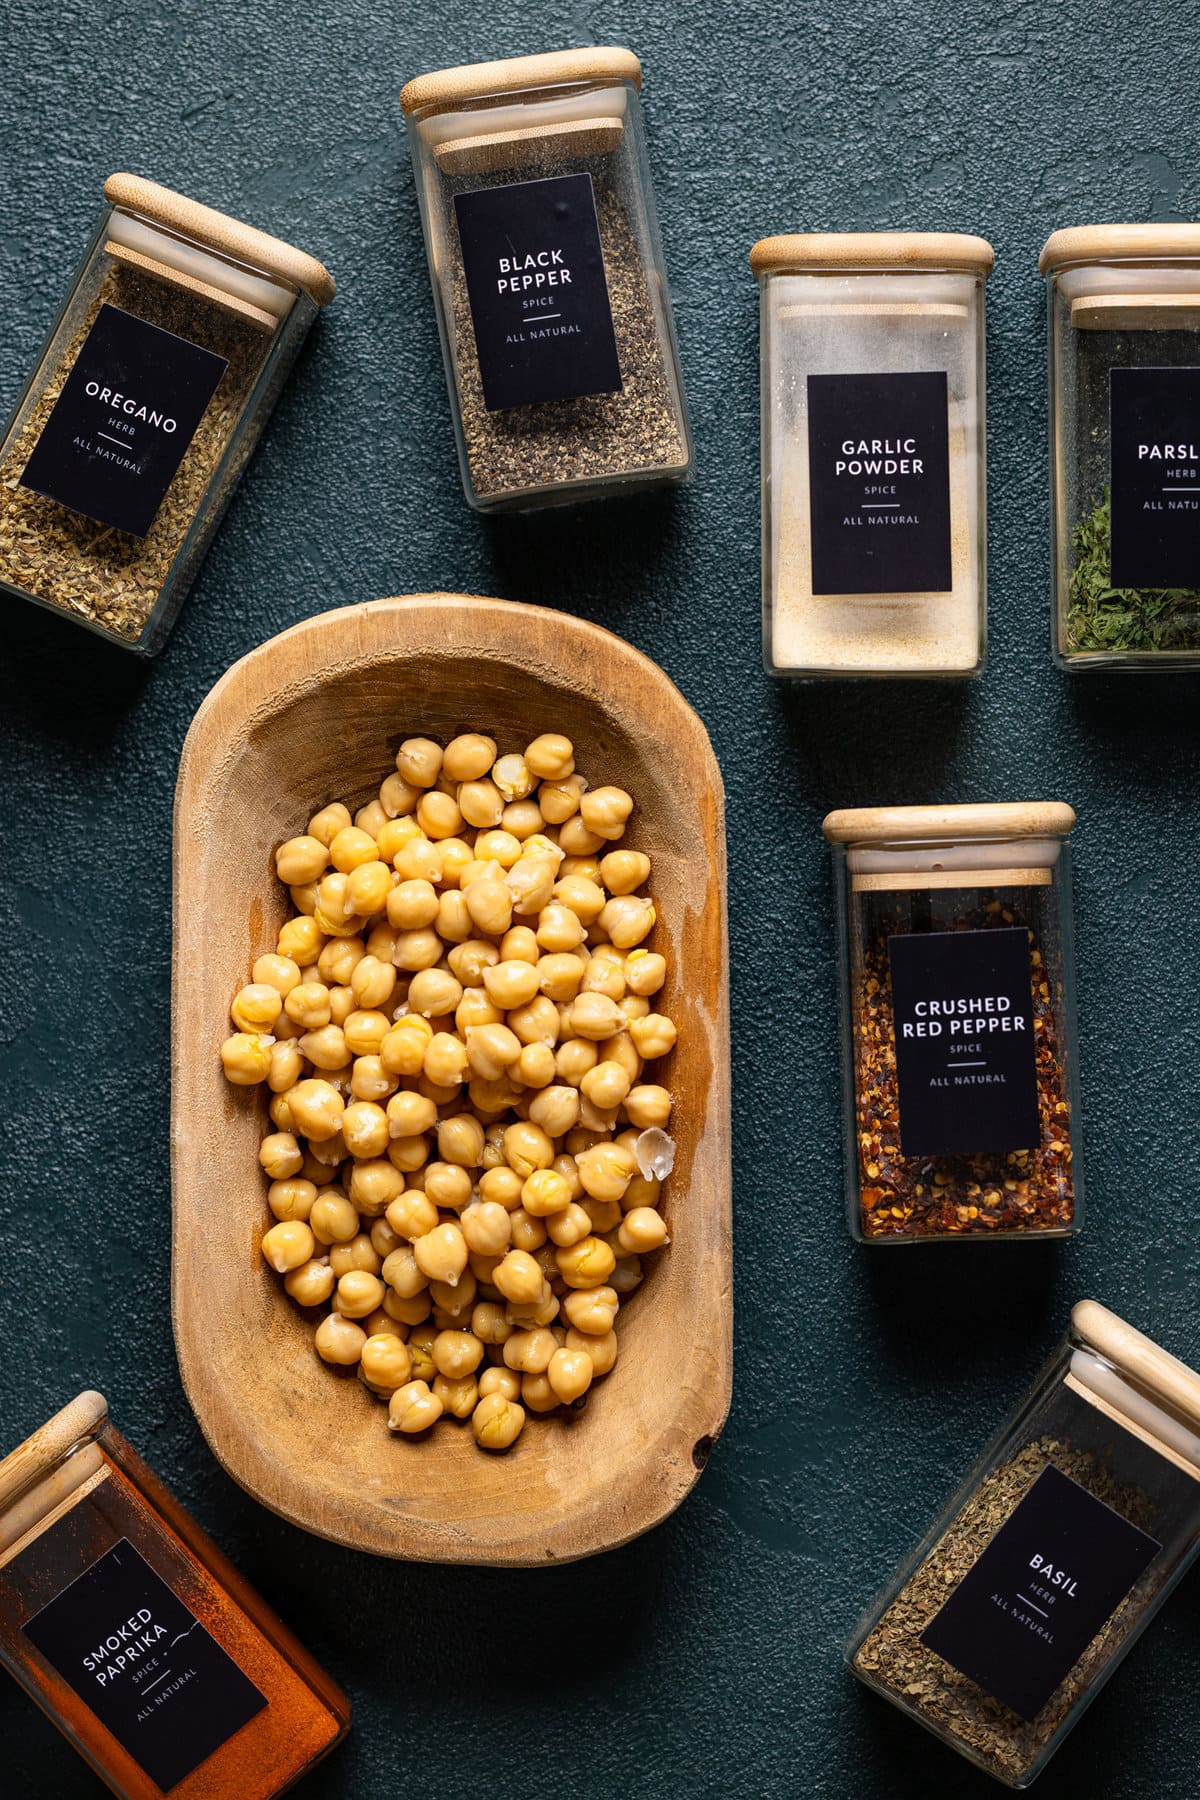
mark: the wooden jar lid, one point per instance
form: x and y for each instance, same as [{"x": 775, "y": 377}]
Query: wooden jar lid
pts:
[
  {"x": 37, "y": 1456},
  {"x": 1162, "y": 1376},
  {"x": 217, "y": 231},
  {"x": 904, "y": 824},
  {"x": 850, "y": 252},
  {"x": 447, "y": 88},
  {"x": 1118, "y": 243}
]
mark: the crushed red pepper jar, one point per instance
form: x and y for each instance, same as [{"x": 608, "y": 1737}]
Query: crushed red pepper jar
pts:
[
  {"x": 958, "y": 1021},
  {"x": 131, "y": 1631}
]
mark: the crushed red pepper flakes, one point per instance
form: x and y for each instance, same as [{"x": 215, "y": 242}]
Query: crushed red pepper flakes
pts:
[{"x": 984, "y": 1194}]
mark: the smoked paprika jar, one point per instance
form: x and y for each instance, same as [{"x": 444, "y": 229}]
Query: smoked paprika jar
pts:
[
  {"x": 1054, "y": 1555},
  {"x": 132, "y": 1632},
  {"x": 548, "y": 277},
  {"x": 957, "y": 991}
]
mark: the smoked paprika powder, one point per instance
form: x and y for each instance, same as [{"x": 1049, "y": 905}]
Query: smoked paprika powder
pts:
[{"x": 958, "y": 1021}]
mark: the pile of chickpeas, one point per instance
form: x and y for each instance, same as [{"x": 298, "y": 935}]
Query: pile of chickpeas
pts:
[{"x": 466, "y": 1156}]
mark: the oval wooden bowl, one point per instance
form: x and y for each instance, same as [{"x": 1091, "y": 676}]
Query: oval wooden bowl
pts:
[{"x": 315, "y": 715}]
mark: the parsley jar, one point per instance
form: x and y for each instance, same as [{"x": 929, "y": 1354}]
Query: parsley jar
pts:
[
  {"x": 1051, "y": 1559},
  {"x": 958, "y": 1021},
  {"x": 1124, "y": 346},
  {"x": 148, "y": 398},
  {"x": 124, "y": 1622},
  {"x": 548, "y": 277},
  {"x": 874, "y": 540}
]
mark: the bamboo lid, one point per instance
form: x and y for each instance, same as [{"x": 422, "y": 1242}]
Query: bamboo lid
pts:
[
  {"x": 806, "y": 252},
  {"x": 888, "y": 824},
  {"x": 445, "y": 88},
  {"x": 38, "y": 1455},
  {"x": 1147, "y": 1365},
  {"x": 1118, "y": 243},
  {"x": 244, "y": 243}
]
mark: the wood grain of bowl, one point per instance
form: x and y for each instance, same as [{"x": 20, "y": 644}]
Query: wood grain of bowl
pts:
[{"x": 315, "y": 715}]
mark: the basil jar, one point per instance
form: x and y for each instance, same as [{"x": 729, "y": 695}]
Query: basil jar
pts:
[
  {"x": 874, "y": 540},
  {"x": 548, "y": 277},
  {"x": 1124, "y": 345},
  {"x": 1057, "y": 1551},
  {"x": 159, "y": 373}
]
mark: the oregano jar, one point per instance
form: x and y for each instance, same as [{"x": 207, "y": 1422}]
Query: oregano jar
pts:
[
  {"x": 160, "y": 372},
  {"x": 1124, "y": 345}
]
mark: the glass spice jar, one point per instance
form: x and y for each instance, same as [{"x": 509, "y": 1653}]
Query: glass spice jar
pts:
[
  {"x": 144, "y": 407},
  {"x": 548, "y": 277},
  {"x": 131, "y": 1631},
  {"x": 874, "y": 552},
  {"x": 1051, "y": 1559},
  {"x": 958, "y": 1021},
  {"x": 1124, "y": 341}
]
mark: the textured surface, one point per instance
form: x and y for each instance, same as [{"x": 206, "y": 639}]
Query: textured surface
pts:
[{"x": 704, "y": 1658}]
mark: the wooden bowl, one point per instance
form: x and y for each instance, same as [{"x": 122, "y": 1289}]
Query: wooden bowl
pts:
[{"x": 315, "y": 715}]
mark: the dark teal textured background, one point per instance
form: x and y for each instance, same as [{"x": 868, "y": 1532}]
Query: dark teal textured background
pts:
[{"x": 705, "y": 1658}]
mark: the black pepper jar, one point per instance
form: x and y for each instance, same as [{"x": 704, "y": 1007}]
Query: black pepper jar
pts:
[{"x": 548, "y": 277}]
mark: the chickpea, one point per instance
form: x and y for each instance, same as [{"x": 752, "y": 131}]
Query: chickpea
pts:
[
  {"x": 316, "y": 1106},
  {"x": 605, "y": 1086},
  {"x": 372, "y": 983},
  {"x": 374, "y": 1183},
  {"x": 386, "y": 1364},
  {"x": 519, "y": 1278},
  {"x": 402, "y": 1051},
  {"x": 496, "y": 1379},
  {"x": 586, "y": 1264},
  {"x": 338, "y": 960},
  {"x": 326, "y": 1049},
  {"x": 300, "y": 941},
  {"x": 371, "y": 818},
  {"x": 595, "y": 1016},
  {"x": 601, "y": 1350},
  {"x": 623, "y": 871},
  {"x": 291, "y": 1198},
  {"x": 497, "y": 1420},
  {"x": 433, "y": 993},
  {"x": 522, "y": 819},
  {"x": 419, "y": 761},
  {"x": 308, "y": 1005},
  {"x": 641, "y": 1230},
  {"x": 570, "y": 1374},
  {"x": 570, "y": 1226},
  {"x": 311, "y": 1284},
  {"x": 448, "y": 1185},
  {"x": 528, "y": 1233},
  {"x": 384, "y": 1240},
  {"x": 526, "y": 1148},
  {"x": 256, "y": 1007},
  {"x": 559, "y": 930},
  {"x": 369, "y": 1080},
  {"x": 285, "y": 1246},
  {"x": 412, "y": 905},
  {"x": 407, "y": 1312},
  {"x": 280, "y": 1155},
  {"x": 502, "y": 1185},
  {"x": 559, "y": 799},
  {"x": 537, "y": 1022},
  {"x": 456, "y": 1353},
  {"x": 648, "y": 1107},
  {"x": 582, "y": 897},
  {"x": 438, "y": 815},
  {"x": 481, "y": 803},
  {"x": 544, "y": 1193},
  {"x": 331, "y": 819},
  {"x": 393, "y": 835},
  {"x": 489, "y": 1323},
  {"x": 368, "y": 886},
  {"x": 409, "y": 1154},
  {"x": 338, "y": 1340},
  {"x": 537, "y": 1395},
  {"x": 397, "y": 797},
  {"x": 300, "y": 860},
  {"x": 365, "y": 1129},
  {"x": 572, "y": 1061},
  {"x": 246, "y": 1058},
  {"x": 441, "y": 1254},
  {"x": 653, "y": 1035},
  {"x": 359, "y": 1253},
  {"x": 626, "y": 1276},
  {"x": 411, "y": 1214},
  {"x": 332, "y": 1218},
  {"x": 460, "y": 1140},
  {"x": 468, "y": 757},
  {"x": 575, "y": 839},
  {"x": 592, "y": 1311},
  {"x": 459, "y": 1398},
  {"x": 628, "y": 919},
  {"x": 605, "y": 811},
  {"x": 486, "y": 1228},
  {"x": 416, "y": 950},
  {"x": 535, "y": 1066},
  {"x": 403, "y": 1274},
  {"x": 489, "y": 903},
  {"x": 531, "y": 882},
  {"x": 530, "y": 1351},
  {"x": 350, "y": 848},
  {"x": 413, "y": 1408},
  {"x": 420, "y": 1348},
  {"x": 418, "y": 860},
  {"x": 410, "y": 1114}
]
